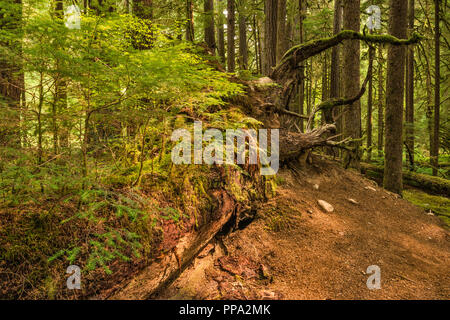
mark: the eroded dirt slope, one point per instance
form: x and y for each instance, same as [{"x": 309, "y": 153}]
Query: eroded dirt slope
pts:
[{"x": 295, "y": 250}]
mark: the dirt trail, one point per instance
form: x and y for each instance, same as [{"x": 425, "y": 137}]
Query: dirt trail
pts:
[{"x": 294, "y": 250}]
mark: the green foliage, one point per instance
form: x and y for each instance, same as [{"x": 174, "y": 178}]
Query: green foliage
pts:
[
  {"x": 89, "y": 179},
  {"x": 126, "y": 82}
]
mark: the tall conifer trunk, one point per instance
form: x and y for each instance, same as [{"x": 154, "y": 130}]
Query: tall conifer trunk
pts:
[
  {"x": 231, "y": 33},
  {"x": 270, "y": 35},
  {"x": 210, "y": 37},
  {"x": 394, "y": 99},
  {"x": 409, "y": 109},
  {"x": 11, "y": 74},
  {"x": 351, "y": 81},
  {"x": 437, "y": 90}
]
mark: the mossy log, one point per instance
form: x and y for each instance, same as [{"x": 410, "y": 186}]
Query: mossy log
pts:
[
  {"x": 424, "y": 182},
  {"x": 163, "y": 271}
]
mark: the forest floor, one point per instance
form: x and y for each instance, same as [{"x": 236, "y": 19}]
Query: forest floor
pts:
[{"x": 295, "y": 250}]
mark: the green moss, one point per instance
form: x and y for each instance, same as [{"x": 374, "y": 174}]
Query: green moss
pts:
[
  {"x": 270, "y": 188},
  {"x": 50, "y": 288},
  {"x": 280, "y": 217},
  {"x": 438, "y": 205},
  {"x": 279, "y": 180}
]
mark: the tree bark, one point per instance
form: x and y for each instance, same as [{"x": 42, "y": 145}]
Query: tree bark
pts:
[
  {"x": 62, "y": 137},
  {"x": 351, "y": 82},
  {"x": 327, "y": 115},
  {"x": 190, "y": 20},
  {"x": 409, "y": 109},
  {"x": 243, "y": 47},
  {"x": 162, "y": 272},
  {"x": 221, "y": 34},
  {"x": 282, "y": 35},
  {"x": 210, "y": 37},
  {"x": 335, "y": 60},
  {"x": 380, "y": 103},
  {"x": 270, "y": 35},
  {"x": 11, "y": 74},
  {"x": 301, "y": 86},
  {"x": 392, "y": 179},
  {"x": 231, "y": 47},
  {"x": 256, "y": 43},
  {"x": 370, "y": 104},
  {"x": 437, "y": 91}
]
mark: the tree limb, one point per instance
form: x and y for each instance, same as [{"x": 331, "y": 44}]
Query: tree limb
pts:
[{"x": 297, "y": 54}]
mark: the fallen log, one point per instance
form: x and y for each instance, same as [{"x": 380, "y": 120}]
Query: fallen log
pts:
[
  {"x": 424, "y": 182},
  {"x": 162, "y": 272}
]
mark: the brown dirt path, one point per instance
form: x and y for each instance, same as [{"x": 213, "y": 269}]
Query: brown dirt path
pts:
[{"x": 294, "y": 250}]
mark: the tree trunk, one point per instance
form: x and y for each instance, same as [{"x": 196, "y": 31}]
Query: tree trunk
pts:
[
  {"x": 351, "y": 81},
  {"x": 282, "y": 35},
  {"x": 221, "y": 34},
  {"x": 210, "y": 37},
  {"x": 260, "y": 41},
  {"x": 370, "y": 104},
  {"x": 270, "y": 35},
  {"x": 437, "y": 91},
  {"x": 301, "y": 86},
  {"x": 380, "y": 104},
  {"x": 429, "y": 111},
  {"x": 62, "y": 137},
  {"x": 335, "y": 59},
  {"x": 256, "y": 43},
  {"x": 11, "y": 75},
  {"x": 327, "y": 115},
  {"x": 392, "y": 179},
  {"x": 409, "y": 109},
  {"x": 190, "y": 20},
  {"x": 243, "y": 47},
  {"x": 310, "y": 87},
  {"x": 231, "y": 47}
]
